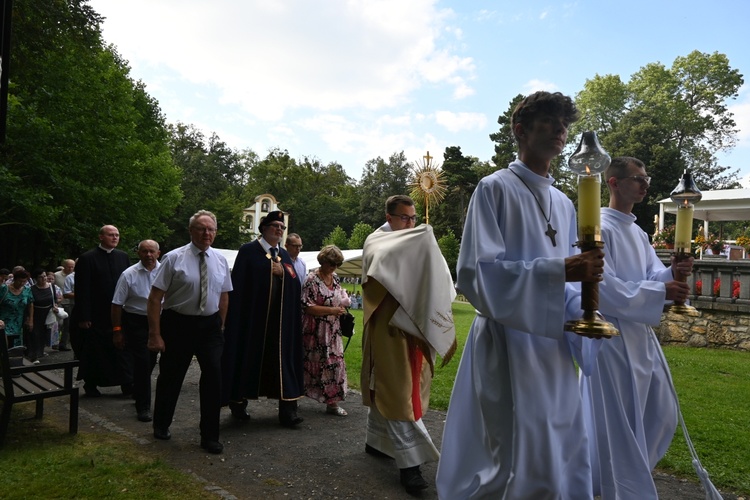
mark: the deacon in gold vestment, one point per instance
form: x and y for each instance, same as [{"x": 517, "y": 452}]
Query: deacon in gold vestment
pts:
[{"x": 408, "y": 292}]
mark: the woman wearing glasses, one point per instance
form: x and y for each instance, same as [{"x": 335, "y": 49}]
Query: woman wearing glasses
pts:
[{"x": 323, "y": 302}]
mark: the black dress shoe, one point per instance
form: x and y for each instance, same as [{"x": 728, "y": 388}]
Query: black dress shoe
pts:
[
  {"x": 91, "y": 391},
  {"x": 290, "y": 421},
  {"x": 375, "y": 452},
  {"x": 162, "y": 434},
  {"x": 239, "y": 411},
  {"x": 412, "y": 480},
  {"x": 145, "y": 415},
  {"x": 211, "y": 446}
]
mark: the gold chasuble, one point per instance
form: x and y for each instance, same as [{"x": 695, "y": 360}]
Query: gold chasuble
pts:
[{"x": 408, "y": 292}]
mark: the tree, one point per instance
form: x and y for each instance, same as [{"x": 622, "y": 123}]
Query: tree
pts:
[
  {"x": 505, "y": 141},
  {"x": 212, "y": 179},
  {"x": 449, "y": 247},
  {"x": 461, "y": 180},
  {"x": 318, "y": 197},
  {"x": 379, "y": 181},
  {"x": 337, "y": 237},
  {"x": 671, "y": 118},
  {"x": 359, "y": 234},
  {"x": 86, "y": 145}
]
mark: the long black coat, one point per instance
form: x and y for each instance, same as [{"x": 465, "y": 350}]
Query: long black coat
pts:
[
  {"x": 263, "y": 352},
  {"x": 102, "y": 364}
]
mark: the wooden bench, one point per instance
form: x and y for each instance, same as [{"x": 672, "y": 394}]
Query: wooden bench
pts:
[{"x": 30, "y": 382}]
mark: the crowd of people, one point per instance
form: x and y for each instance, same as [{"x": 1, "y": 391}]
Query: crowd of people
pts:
[{"x": 536, "y": 412}]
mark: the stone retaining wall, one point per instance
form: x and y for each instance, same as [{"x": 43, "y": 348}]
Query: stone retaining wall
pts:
[{"x": 718, "y": 329}]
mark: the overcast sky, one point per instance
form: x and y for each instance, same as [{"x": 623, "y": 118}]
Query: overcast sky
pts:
[{"x": 350, "y": 80}]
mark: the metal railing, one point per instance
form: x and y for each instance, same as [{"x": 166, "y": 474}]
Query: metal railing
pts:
[{"x": 718, "y": 283}]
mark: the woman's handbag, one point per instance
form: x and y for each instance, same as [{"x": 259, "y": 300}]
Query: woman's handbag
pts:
[
  {"x": 55, "y": 316},
  {"x": 51, "y": 319},
  {"x": 61, "y": 313},
  {"x": 347, "y": 324},
  {"x": 346, "y": 321}
]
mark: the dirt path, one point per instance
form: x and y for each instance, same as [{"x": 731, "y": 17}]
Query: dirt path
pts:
[{"x": 323, "y": 458}]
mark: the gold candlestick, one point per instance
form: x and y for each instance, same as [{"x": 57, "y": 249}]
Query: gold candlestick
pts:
[
  {"x": 589, "y": 160},
  {"x": 684, "y": 195}
]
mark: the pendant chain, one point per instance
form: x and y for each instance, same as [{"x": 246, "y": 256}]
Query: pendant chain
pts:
[{"x": 550, "y": 230}]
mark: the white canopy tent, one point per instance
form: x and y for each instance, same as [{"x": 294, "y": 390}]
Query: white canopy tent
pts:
[
  {"x": 352, "y": 266},
  {"x": 716, "y": 205}
]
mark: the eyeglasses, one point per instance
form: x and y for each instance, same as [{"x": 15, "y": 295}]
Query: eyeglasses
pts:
[
  {"x": 406, "y": 218},
  {"x": 295, "y": 245},
  {"x": 280, "y": 227},
  {"x": 645, "y": 179},
  {"x": 209, "y": 230}
]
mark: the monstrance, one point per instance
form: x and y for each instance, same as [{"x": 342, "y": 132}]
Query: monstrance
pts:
[{"x": 428, "y": 187}]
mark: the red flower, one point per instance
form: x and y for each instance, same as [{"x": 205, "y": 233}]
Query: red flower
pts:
[{"x": 717, "y": 288}]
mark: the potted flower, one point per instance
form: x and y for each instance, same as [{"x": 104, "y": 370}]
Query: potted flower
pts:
[
  {"x": 716, "y": 245},
  {"x": 744, "y": 242},
  {"x": 665, "y": 237}
]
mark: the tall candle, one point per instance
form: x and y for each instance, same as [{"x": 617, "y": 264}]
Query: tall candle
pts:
[
  {"x": 589, "y": 205},
  {"x": 684, "y": 228}
]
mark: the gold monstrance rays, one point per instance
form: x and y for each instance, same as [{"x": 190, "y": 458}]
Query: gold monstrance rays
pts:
[{"x": 428, "y": 187}]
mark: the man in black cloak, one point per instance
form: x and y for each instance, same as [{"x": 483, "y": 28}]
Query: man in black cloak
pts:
[
  {"x": 263, "y": 353},
  {"x": 97, "y": 272}
]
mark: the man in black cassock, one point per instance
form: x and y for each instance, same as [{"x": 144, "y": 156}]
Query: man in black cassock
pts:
[
  {"x": 263, "y": 353},
  {"x": 97, "y": 272}
]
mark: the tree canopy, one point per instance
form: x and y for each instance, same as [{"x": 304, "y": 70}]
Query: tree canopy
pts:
[
  {"x": 86, "y": 145},
  {"x": 673, "y": 119}
]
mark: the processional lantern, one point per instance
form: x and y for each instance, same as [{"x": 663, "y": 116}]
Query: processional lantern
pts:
[
  {"x": 589, "y": 161},
  {"x": 685, "y": 196}
]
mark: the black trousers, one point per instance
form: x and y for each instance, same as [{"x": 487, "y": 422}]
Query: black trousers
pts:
[
  {"x": 185, "y": 336},
  {"x": 102, "y": 364},
  {"x": 135, "y": 333}
]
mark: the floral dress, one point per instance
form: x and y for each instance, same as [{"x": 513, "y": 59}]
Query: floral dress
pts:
[
  {"x": 13, "y": 311},
  {"x": 325, "y": 369}
]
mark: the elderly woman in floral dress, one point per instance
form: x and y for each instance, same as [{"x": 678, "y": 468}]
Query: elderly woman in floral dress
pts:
[{"x": 323, "y": 301}]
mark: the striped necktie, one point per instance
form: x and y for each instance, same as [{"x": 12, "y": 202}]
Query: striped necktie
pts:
[{"x": 204, "y": 281}]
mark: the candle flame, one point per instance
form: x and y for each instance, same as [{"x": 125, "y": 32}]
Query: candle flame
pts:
[
  {"x": 685, "y": 203},
  {"x": 588, "y": 170}
]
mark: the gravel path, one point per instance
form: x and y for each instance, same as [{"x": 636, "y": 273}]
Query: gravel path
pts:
[{"x": 322, "y": 458}]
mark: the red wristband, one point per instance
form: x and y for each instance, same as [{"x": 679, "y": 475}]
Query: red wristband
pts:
[{"x": 116, "y": 328}]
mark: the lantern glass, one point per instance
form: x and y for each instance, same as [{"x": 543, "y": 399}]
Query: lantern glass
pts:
[{"x": 589, "y": 157}]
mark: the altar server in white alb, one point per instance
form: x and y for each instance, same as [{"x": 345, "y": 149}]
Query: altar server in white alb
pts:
[
  {"x": 515, "y": 422},
  {"x": 631, "y": 413}
]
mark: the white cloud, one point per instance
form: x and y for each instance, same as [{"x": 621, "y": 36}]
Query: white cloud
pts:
[
  {"x": 456, "y": 122},
  {"x": 533, "y": 85},
  {"x": 741, "y": 111},
  {"x": 269, "y": 57}
]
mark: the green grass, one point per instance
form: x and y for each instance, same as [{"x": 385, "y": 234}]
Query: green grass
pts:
[
  {"x": 40, "y": 457},
  {"x": 714, "y": 390},
  {"x": 713, "y": 387},
  {"x": 41, "y": 460},
  {"x": 442, "y": 384}
]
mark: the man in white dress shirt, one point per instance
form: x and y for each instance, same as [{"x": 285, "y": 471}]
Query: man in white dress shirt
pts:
[
  {"x": 130, "y": 324},
  {"x": 293, "y": 245},
  {"x": 194, "y": 284}
]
